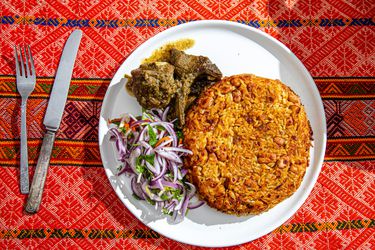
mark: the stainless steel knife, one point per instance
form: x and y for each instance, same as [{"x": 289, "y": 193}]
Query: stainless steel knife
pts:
[{"x": 52, "y": 118}]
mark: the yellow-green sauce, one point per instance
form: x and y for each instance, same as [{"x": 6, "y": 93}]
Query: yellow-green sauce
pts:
[{"x": 162, "y": 54}]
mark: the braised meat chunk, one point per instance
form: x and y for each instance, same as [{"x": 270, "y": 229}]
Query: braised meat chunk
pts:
[
  {"x": 194, "y": 73},
  {"x": 153, "y": 84},
  {"x": 200, "y": 67},
  {"x": 177, "y": 82}
]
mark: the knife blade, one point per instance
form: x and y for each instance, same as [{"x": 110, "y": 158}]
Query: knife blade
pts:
[{"x": 52, "y": 118}]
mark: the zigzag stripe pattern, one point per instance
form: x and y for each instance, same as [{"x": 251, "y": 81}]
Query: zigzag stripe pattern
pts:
[
  {"x": 94, "y": 89},
  {"x": 139, "y": 22},
  {"x": 346, "y": 88},
  {"x": 325, "y": 226},
  {"x": 81, "y": 153},
  {"x": 148, "y": 233},
  {"x": 350, "y": 149},
  {"x": 80, "y": 89},
  {"x": 78, "y": 234}
]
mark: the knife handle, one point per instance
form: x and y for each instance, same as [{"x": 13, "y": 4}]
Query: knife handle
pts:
[{"x": 39, "y": 179}]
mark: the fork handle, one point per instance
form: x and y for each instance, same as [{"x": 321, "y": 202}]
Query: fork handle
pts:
[
  {"x": 37, "y": 186},
  {"x": 24, "y": 164}
]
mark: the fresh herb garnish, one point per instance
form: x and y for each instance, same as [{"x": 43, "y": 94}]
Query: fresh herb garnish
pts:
[
  {"x": 152, "y": 135},
  {"x": 179, "y": 134},
  {"x": 177, "y": 194}
]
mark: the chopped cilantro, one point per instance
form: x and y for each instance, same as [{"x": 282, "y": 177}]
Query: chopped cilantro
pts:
[
  {"x": 179, "y": 134},
  {"x": 136, "y": 197},
  {"x": 164, "y": 197},
  {"x": 138, "y": 166},
  {"x": 116, "y": 122},
  {"x": 152, "y": 135},
  {"x": 120, "y": 167},
  {"x": 177, "y": 194},
  {"x": 142, "y": 169},
  {"x": 160, "y": 128},
  {"x": 150, "y": 201},
  {"x": 149, "y": 158},
  {"x": 123, "y": 130}
]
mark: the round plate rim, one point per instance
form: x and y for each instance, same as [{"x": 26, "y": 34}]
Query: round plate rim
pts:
[{"x": 315, "y": 93}]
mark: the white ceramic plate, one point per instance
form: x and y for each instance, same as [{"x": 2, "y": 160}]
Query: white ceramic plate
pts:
[{"x": 235, "y": 49}]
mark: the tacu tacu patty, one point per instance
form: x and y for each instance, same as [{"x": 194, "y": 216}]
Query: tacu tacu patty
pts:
[{"x": 250, "y": 138}]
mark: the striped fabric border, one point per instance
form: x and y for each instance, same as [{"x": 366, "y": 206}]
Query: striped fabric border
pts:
[
  {"x": 139, "y": 22},
  {"x": 94, "y": 89},
  {"x": 78, "y": 233},
  {"x": 346, "y": 87},
  {"x": 81, "y": 152},
  {"x": 150, "y": 234},
  {"x": 80, "y": 89}
]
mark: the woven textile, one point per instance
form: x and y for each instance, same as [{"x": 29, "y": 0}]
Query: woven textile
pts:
[{"x": 334, "y": 39}]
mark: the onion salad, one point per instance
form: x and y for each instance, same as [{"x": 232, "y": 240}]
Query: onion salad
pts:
[{"x": 151, "y": 151}]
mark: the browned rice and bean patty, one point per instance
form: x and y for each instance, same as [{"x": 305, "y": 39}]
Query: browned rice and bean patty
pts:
[{"x": 250, "y": 138}]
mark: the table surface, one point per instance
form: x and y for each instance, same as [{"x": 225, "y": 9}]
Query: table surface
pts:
[{"x": 334, "y": 39}]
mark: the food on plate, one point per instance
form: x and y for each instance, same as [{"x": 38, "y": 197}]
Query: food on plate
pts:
[
  {"x": 150, "y": 152},
  {"x": 153, "y": 84},
  {"x": 250, "y": 139},
  {"x": 175, "y": 81}
]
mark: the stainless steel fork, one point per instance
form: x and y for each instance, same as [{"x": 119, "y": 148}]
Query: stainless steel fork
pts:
[{"x": 25, "y": 72}]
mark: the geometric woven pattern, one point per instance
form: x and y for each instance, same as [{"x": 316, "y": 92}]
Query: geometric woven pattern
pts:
[
  {"x": 349, "y": 110},
  {"x": 334, "y": 39}
]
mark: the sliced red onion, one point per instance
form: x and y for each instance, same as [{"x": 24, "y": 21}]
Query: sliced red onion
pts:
[
  {"x": 132, "y": 117},
  {"x": 169, "y": 155},
  {"x": 179, "y": 175},
  {"x": 151, "y": 168},
  {"x": 134, "y": 124},
  {"x": 176, "y": 149},
  {"x": 142, "y": 134},
  {"x": 189, "y": 195},
  {"x": 156, "y": 184},
  {"x": 150, "y": 195},
  {"x": 171, "y": 205},
  {"x": 120, "y": 143},
  {"x": 170, "y": 184},
  {"x": 169, "y": 127},
  {"x": 137, "y": 190},
  {"x": 161, "y": 135},
  {"x": 180, "y": 203},
  {"x": 133, "y": 157},
  {"x": 164, "y": 143},
  {"x": 183, "y": 172},
  {"x": 185, "y": 205},
  {"x": 195, "y": 205},
  {"x": 126, "y": 169},
  {"x": 192, "y": 189},
  {"x": 162, "y": 172},
  {"x": 157, "y": 166},
  {"x": 175, "y": 171},
  {"x": 166, "y": 171},
  {"x": 164, "y": 114},
  {"x": 145, "y": 144}
]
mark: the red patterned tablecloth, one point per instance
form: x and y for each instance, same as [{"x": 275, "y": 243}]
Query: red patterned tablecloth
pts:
[{"x": 334, "y": 39}]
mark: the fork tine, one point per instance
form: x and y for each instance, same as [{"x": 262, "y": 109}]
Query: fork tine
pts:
[
  {"x": 27, "y": 58},
  {"x": 17, "y": 62},
  {"x": 31, "y": 61},
  {"x": 22, "y": 64}
]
